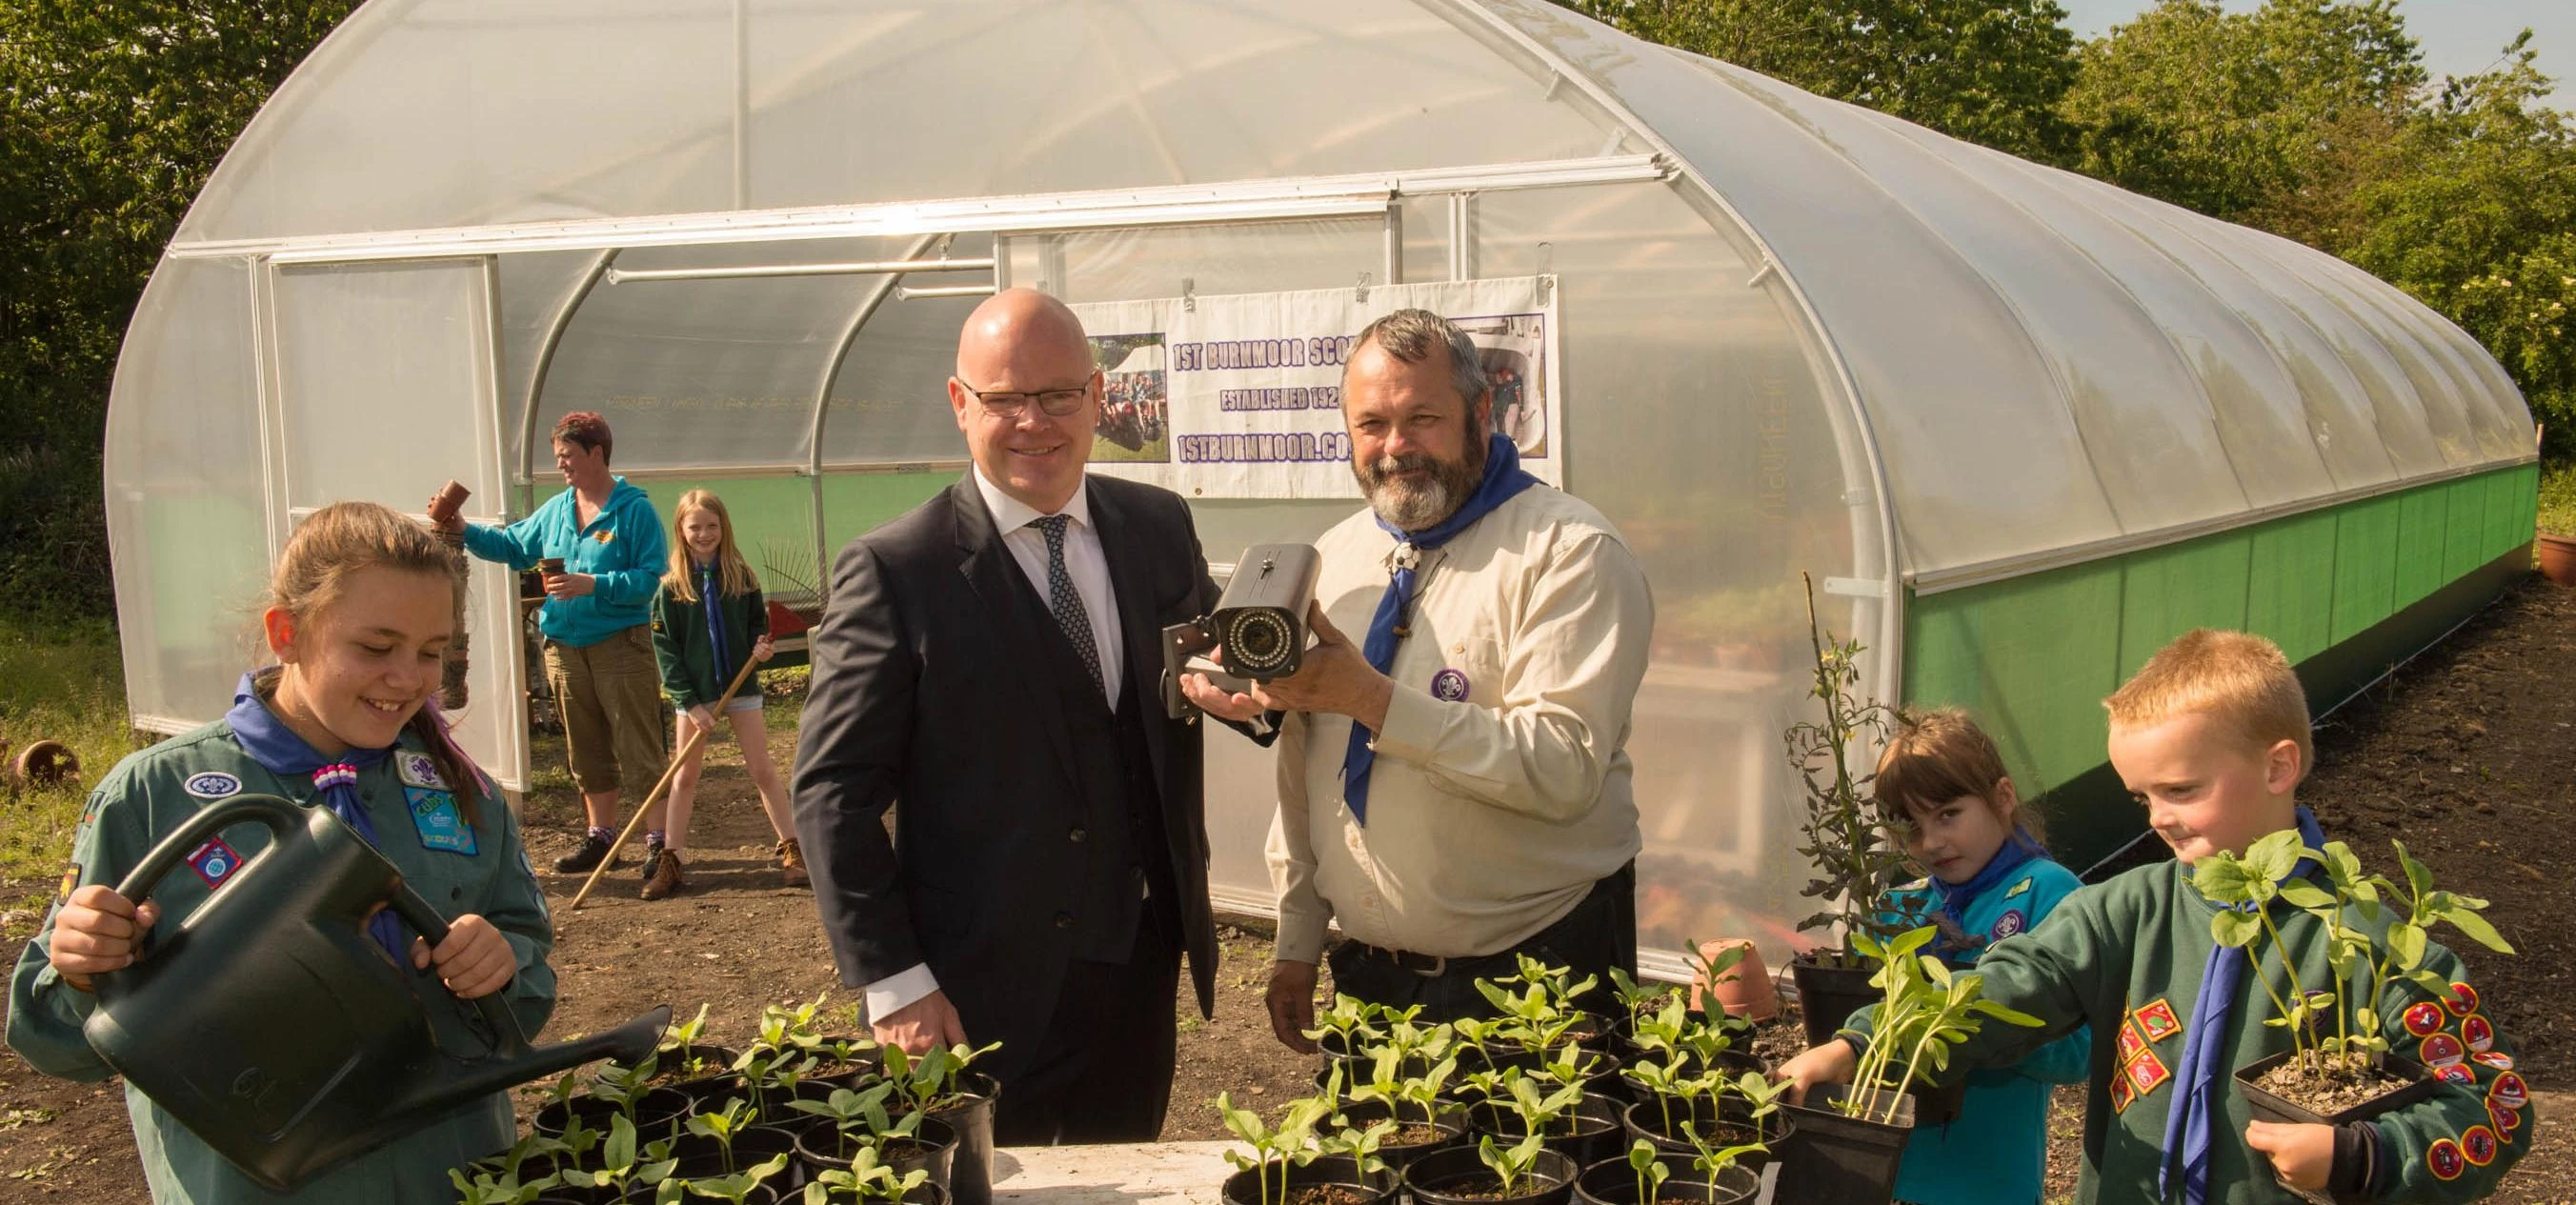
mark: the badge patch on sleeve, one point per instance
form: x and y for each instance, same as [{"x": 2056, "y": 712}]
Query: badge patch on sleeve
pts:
[
  {"x": 2157, "y": 1021},
  {"x": 2456, "y": 1073},
  {"x": 2478, "y": 1146},
  {"x": 2478, "y": 1032},
  {"x": 71, "y": 882},
  {"x": 2444, "y": 1158},
  {"x": 214, "y": 862},
  {"x": 2505, "y": 1120},
  {"x": 2148, "y": 1073},
  {"x": 2010, "y": 923},
  {"x": 2463, "y": 1001},
  {"x": 418, "y": 770},
  {"x": 2122, "y": 1094},
  {"x": 213, "y": 784},
  {"x": 2131, "y": 1045},
  {"x": 441, "y": 825},
  {"x": 2423, "y": 1018},
  {"x": 2442, "y": 1050},
  {"x": 2509, "y": 1090}
]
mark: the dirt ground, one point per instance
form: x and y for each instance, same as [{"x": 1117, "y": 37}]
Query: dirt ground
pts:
[{"x": 2457, "y": 756}]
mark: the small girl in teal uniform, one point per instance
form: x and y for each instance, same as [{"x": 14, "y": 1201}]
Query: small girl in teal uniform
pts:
[
  {"x": 361, "y": 607},
  {"x": 1990, "y": 879}
]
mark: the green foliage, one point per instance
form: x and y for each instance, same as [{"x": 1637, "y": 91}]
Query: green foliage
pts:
[
  {"x": 1855, "y": 868},
  {"x": 111, "y": 117},
  {"x": 2336, "y": 1024},
  {"x": 1649, "y": 1166},
  {"x": 1924, "y": 1009},
  {"x": 1511, "y": 1164},
  {"x": 1275, "y": 1149},
  {"x": 1989, "y": 71},
  {"x": 930, "y": 1083},
  {"x": 65, "y": 683}
]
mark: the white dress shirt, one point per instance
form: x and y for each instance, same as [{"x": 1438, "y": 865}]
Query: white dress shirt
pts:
[
  {"x": 1089, "y": 567},
  {"x": 1500, "y": 792}
]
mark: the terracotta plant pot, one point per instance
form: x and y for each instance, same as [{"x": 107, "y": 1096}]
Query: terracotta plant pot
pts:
[
  {"x": 1746, "y": 991},
  {"x": 47, "y": 763},
  {"x": 2558, "y": 559}
]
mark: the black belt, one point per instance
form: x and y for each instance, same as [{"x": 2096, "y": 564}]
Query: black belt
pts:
[{"x": 1433, "y": 966}]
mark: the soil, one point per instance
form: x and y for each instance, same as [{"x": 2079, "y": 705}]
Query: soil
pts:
[
  {"x": 2459, "y": 755},
  {"x": 1329, "y": 1194},
  {"x": 2330, "y": 1090},
  {"x": 1414, "y": 1135},
  {"x": 1486, "y": 1188}
]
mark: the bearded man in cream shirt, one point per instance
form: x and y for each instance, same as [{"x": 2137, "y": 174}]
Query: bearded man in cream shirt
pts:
[{"x": 1453, "y": 784}]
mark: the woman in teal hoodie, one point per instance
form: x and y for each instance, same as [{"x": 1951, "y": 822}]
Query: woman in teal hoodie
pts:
[
  {"x": 599, "y": 599},
  {"x": 1989, "y": 879}
]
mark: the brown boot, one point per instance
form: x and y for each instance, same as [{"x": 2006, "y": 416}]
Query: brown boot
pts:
[
  {"x": 791, "y": 863},
  {"x": 667, "y": 877}
]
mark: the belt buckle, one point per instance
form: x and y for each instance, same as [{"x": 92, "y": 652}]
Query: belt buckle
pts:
[{"x": 1408, "y": 960}]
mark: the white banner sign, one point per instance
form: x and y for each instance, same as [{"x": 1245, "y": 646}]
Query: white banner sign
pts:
[{"x": 1240, "y": 396}]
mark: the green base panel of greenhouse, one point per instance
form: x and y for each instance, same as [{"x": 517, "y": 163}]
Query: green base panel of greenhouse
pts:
[{"x": 2347, "y": 592}]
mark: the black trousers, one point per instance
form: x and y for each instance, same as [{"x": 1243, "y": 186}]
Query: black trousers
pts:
[
  {"x": 1104, "y": 1069},
  {"x": 1600, "y": 933}
]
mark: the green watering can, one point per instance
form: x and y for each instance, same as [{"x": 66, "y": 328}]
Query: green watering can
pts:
[{"x": 271, "y": 1024}]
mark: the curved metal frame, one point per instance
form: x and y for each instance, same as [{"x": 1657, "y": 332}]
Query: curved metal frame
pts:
[
  {"x": 868, "y": 306},
  {"x": 526, "y": 483}
]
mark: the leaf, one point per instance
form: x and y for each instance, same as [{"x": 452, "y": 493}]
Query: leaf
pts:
[
  {"x": 2406, "y": 944},
  {"x": 2275, "y": 855},
  {"x": 2221, "y": 879},
  {"x": 2304, "y": 894},
  {"x": 2234, "y": 929},
  {"x": 2418, "y": 879},
  {"x": 2478, "y": 929}
]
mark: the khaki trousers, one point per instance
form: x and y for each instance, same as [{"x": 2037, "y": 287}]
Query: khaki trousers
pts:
[{"x": 611, "y": 697}]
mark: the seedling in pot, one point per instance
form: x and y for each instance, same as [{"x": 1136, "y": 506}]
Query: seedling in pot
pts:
[
  {"x": 1712, "y": 1160},
  {"x": 1924, "y": 1009},
  {"x": 1486, "y": 1035},
  {"x": 1651, "y": 1173},
  {"x": 864, "y": 1112},
  {"x": 1712, "y": 971},
  {"x": 621, "y": 1166},
  {"x": 1538, "y": 1109},
  {"x": 506, "y": 1188},
  {"x": 930, "y": 1083},
  {"x": 725, "y": 1124},
  {"x": 1855, "y": 865},
  {"x": 736, "y": 1187},
  {"x": 1637, "y": 1000},
  {"x": 2334, "y": 1035},
  {"x": 1387, "y": 1083},
  {"x": 867, "y": 1178},
  {"x": 1569, "y": 1065},
  {"x": 1359, "y": 1144},
  {"x": 681, "y": 1035},
  {"x": 1346, "y": 1026},
  {"x": 1276, "y": 1149},
  {"x": 1511, "y": 1164},
  {"x": 1668, "y": 1082},
  {"x": 1543, "y": 1006}
]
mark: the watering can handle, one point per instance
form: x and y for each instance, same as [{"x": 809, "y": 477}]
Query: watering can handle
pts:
[{"x": 280, "y": 817}]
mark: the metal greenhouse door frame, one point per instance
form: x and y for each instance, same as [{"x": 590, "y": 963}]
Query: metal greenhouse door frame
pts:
[{"x": 471, "y": 410}]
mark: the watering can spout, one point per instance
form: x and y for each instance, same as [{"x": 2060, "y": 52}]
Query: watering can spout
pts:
[{"x": 628, "y": 1043}]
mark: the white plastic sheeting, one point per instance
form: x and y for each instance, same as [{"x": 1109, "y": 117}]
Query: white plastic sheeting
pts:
[{"x": 1822, "y": 340}]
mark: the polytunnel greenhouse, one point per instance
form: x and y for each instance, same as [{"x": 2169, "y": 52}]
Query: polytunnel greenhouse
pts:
[{"x": 2020, "y": 426}]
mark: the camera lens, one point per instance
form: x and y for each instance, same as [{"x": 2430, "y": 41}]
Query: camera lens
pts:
[{"x": 1260, "y": 641}]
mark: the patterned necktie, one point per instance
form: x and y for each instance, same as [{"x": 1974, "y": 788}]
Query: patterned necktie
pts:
[{"x": 1065, "y": 601}]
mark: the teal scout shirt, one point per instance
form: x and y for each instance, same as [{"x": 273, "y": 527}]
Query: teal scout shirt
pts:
[
  {"x": 624, "y": 547},
  {"x": 1996, "y": 1151},
  {"x": 2123, "y": 959},
  {"x": 151, "y": 793}
]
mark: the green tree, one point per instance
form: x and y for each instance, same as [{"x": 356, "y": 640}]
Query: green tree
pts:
[
  {"x": 111, "y": 117},
  {"x": 1990, "y": 71},
  {"x": 2247, "y": 116}
]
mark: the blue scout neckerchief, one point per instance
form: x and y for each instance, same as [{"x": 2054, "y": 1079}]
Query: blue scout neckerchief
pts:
[
  {"x": 2187, "y": 1125},
  {"x": 279, "y": 751},
  {"x": 1503, "y": 479},
  {"x": 715, "y": 623},
  {"x": 1955, "y": 898}
]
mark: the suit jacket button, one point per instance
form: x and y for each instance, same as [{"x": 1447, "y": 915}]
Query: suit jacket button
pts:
[
  {"x": 1077, "y": 836},
  {"x": 1064, "y": 920}
]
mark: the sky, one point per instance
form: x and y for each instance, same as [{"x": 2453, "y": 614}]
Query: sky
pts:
[{"x": 2458, "y": 37}]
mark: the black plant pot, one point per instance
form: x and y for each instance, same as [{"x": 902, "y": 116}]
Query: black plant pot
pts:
[
  {"x": 1451, "y": 1124},
  {"x": 701, "y": 1157},
  {"x": 2419, "y": 1082},
  {"x": 1613, "y": 1182},
  {"x": 1828, "y": 995},
  {"x": 1441, "y": 1176},
  {"x": 1587, "y": 1136},
  {"x": 931, "y": 1148},
  {"x": 711, "y": 1093},
  {"x": 1645, "y": 1119},
  {"x": 657, "y": 1115},
  {"x": 718, "y": 1061},
  {"x": 970, "y": 1177},
  {"x": 1339, "y": 1171},
  {"x": 1830, "y": 1159},
  {"x": 764, "y": 1193},
  {"x": 1938, "y": 1106}
]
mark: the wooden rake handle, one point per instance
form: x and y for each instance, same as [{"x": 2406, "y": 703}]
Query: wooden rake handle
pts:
[{"x": 686, "y": 748}]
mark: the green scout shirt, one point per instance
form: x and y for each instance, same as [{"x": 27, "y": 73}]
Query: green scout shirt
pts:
[
  {"x": 685, "y": 655},
  {"x": 153, "y": 792},
  {"x": 2124, "y": 958}
]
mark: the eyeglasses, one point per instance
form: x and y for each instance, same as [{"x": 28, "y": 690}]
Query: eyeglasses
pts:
[{"x": 1055, "y": 403}]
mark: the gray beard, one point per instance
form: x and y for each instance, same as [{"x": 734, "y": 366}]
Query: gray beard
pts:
[{"x": 1409, "y": 507}]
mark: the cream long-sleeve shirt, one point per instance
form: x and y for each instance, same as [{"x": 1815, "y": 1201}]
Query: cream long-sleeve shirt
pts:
[{"x": 1500, "y": 791}]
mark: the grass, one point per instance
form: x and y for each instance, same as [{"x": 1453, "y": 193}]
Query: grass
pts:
[
  {"x": 66, "y": 682},
  {"x": 2558, "y": 499}
]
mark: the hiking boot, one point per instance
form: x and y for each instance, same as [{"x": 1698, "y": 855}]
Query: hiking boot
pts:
[
  {"x": 585, "y": 858},
  {"x": 791, "y": 863},
  {"x": 652, "y": 860},
  {"x": 667, "y": 879}
]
